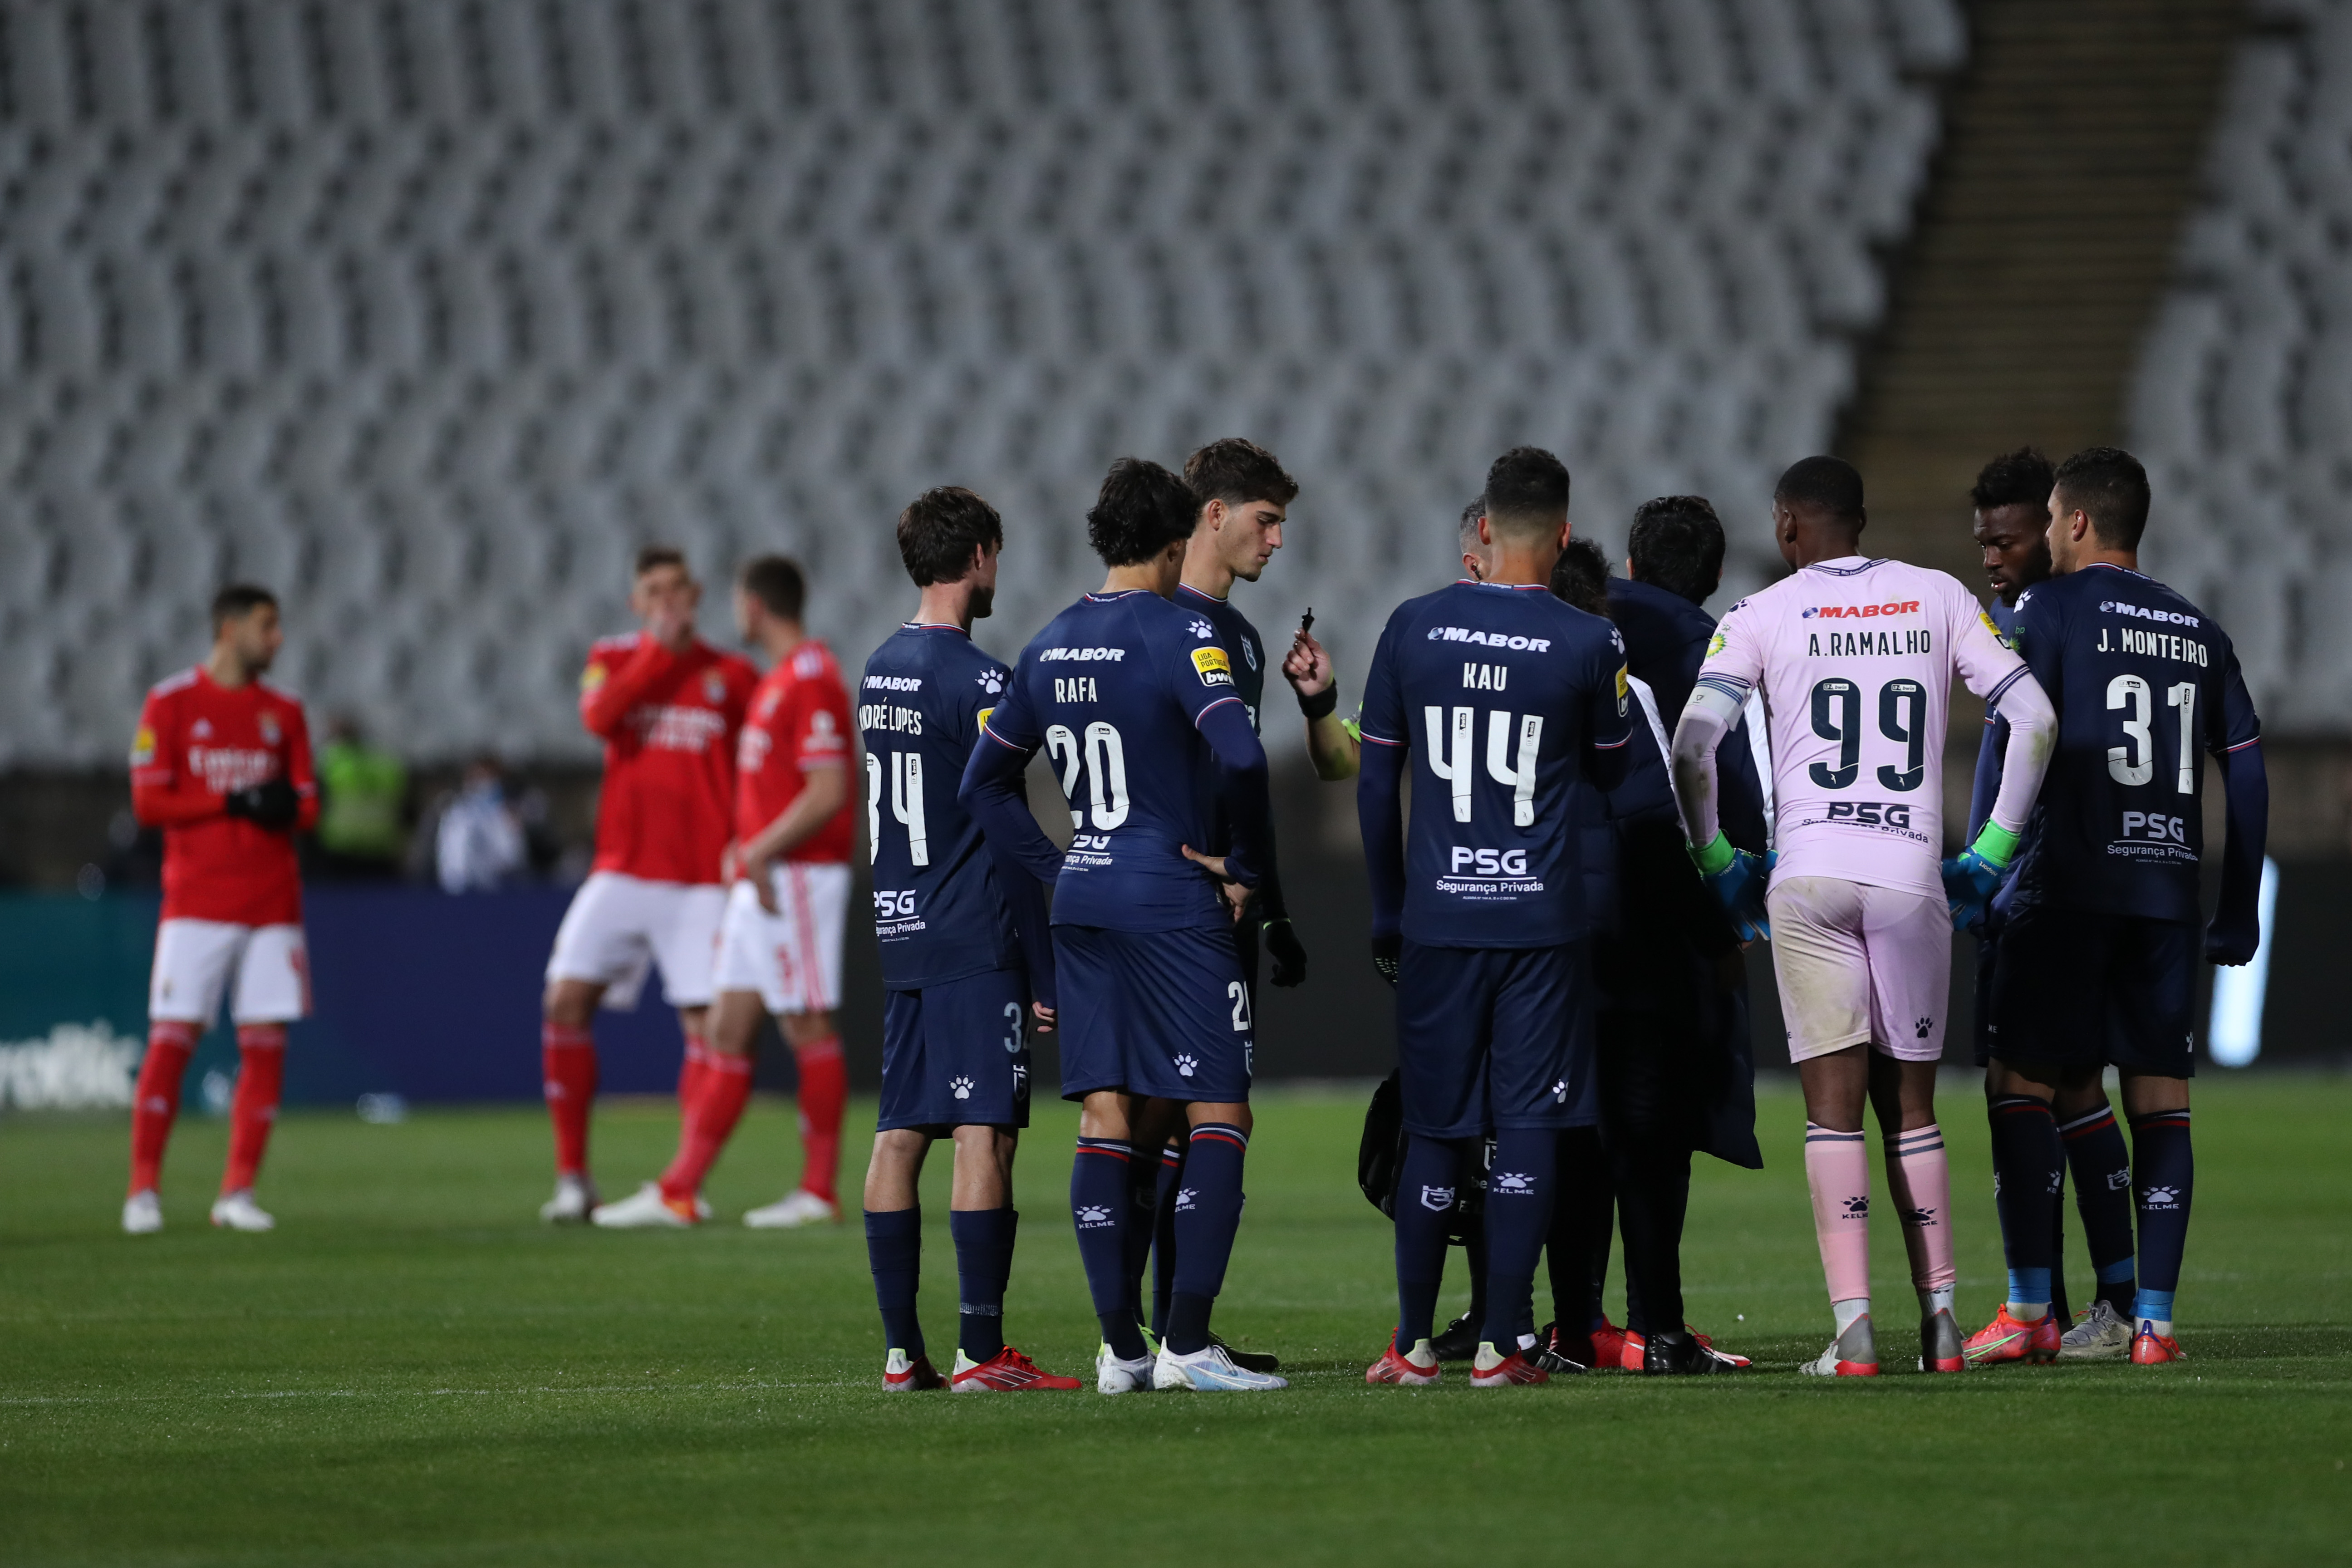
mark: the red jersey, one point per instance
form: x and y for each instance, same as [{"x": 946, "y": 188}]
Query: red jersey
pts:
[
  {"x": 799, "y": 720},
  {"x": 668, "y": 722},
  {"x": 198, "y": 742}
]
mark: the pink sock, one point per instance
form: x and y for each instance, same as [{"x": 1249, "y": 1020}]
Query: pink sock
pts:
[
  {"x": 1919, "y": 1181},
  {"x": 1837, "y": 1170}
]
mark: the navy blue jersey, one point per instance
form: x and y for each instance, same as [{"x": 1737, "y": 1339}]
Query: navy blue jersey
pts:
[
  {"x": 1496, "y": 691},
  {"x": 1666, "y": 642},
  {"x": 2144, "y": 685},
  {"x": 1993, "y": 750},
  {"x": 1112, "y": 691},
  {"x": 939, "y": 910},
  {"x": 1245, "y": 654}
]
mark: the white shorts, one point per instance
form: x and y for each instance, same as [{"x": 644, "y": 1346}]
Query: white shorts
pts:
[
  {"x": 1858, "y": 962},
  {"x": 792, "y": 958},
  {"x": 618, "y": 927},
  {"x": 193, "y": 961}
]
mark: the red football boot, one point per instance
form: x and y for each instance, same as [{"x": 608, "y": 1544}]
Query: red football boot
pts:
[
  {"x": 2152, "y": 1349},
  {"x": 2006, "y": 1340},
  {"x": 900, "y": 1375},
  {"x": 1397, "y": 1367},
  {"x": 1493, "y": 1371},
  {"x": 1006, "y": 1372},
  {"x": 1608, "y": 1347}
]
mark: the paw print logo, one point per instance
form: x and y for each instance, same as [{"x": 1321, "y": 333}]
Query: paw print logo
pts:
[
  {"x": 2057, "y": 1181},
  {"x": 1513, "y": 1181},
  {"x": 1186, "y": 1064},
  {"x": 962, "y": 1086},
  {"x": 1919, "y": 1219},
  {"x": 1924, "y": 1025},
  {"x": 1093, "y": 1213},
  {"x": 2161, "y": 1197},
  {"x": 1559, "y": 1092},
  {"x": 1857, "y": 1208},
  {"x": 992, "y": 681},
  {"x": 1184, "y": 1197},
  {"x": 1202, "y": 629}
]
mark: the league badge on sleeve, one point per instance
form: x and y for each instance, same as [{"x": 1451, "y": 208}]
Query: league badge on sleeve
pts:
[
  {"x": 143, "y": 747},
  {"x": 1214, "y": 668},
  {"x": 1715, "y": 645}
]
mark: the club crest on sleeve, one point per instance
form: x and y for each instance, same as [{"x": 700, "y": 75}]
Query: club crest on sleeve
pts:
[{"x": 1214, "y": 668}]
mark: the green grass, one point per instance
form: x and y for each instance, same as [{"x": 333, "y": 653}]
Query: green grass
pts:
[{"x": 411, "y": 1370}]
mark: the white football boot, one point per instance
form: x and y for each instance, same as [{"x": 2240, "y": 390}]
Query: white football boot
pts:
[
  {"x": 1211, "y": 1370},
  {"x": 642, "y": 1209},
  {"x": 142, "y": 1213},
  {"x": 793, "y": 1210},
  {"x": 2099, "y": 1335},
  {"x": 1113, "y": 1375},
  {"x": 574, "y": 1201},
  {"x": 238, "y": 1211}
]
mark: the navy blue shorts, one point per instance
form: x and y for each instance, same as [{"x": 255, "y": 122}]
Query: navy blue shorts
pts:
[
  {"x": 2076, "y": 988},
  {"x": 957, "y": 1054},
  {"x": 1162, "y": 1013},
  {"x": 1491, "y": 1037}
]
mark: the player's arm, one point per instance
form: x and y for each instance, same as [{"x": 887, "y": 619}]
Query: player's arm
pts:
[
  {"x": 2006, "y": 683},
  {"x": 2236, "y": 733},
  {"x": 1241, "y": 791},
  {"x": 1331, "y": 744},
  {"x": 1987, "y": 781},
  {"x": 159, "y": 796},
  {"x": 614, "y": 683},
  {"x": 994, "y": 790},
  {"x": 1609, "y": 719},
  {"x": 1379, "y": 806},
  {"x": 1735, "y": 876}
]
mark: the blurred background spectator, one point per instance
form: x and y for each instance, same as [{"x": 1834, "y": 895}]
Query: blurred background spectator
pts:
[{"x": 363, "y": 826}]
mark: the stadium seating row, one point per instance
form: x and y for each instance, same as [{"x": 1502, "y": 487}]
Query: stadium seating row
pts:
[{"x": 427, "y": 312}]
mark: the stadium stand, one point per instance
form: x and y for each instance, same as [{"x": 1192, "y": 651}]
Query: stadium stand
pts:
[
  {"x": 2243, "y": 402},
  {"x": 427, "y": 312}
]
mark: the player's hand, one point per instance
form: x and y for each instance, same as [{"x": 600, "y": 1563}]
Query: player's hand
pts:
[
  {"x": 1738, "y": 881},
  {"x": 1045, "y": 1016},
  {"x": 730, "y": 861},
  {"x": 2230, "y": 945},
  {"x": 273, "y": 804},
  {"x": 1289, "y": 955},
  {"x": 1388, "y": 957},
  {"x": 755, "y": 871},
  {"x": 1235, "y": 894},
  {"x": 1973, "y": 875},
  {"x": 1306, "y": 667}
]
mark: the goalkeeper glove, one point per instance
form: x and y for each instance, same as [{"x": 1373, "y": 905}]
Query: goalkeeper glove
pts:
[
  {"x": 273, "y": 804},
  {"x": 1289, "y": 955},
  {"x": 1386, "y": 953},
  {"x": 1738, "y": 880},
  {"x": 1974, "y": 875}
]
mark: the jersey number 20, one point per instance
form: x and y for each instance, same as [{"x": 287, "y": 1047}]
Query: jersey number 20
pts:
[{"x": 1103, "y": 758}]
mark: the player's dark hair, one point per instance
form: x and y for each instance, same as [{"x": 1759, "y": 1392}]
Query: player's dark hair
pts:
[
  {"x": 1580, "y": 577},
  {"x": 1831, "y": 484},
  {"x": 238, "y": 601},
  {"x": 1527, "y": 486},
  {"x": 938, "y": 531},
  {"x": 651, "y": 556},
  {"x": 1238, "y": 472},
  {"x": 1467, "y": 528},
  {"x": 1141, "y": 510},
  {"x": 776, "y": 582},
  {"x": 2111, "y": 488},
  {"x": 1677, "y": 544},
  {"x": 2023, "y": 477}
]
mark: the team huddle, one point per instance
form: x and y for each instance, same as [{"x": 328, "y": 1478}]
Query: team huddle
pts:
[{"x": 1580, "y": 798}]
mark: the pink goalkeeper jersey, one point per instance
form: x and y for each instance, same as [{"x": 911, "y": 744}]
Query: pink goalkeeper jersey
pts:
[{"x": 1856, "y": 662}]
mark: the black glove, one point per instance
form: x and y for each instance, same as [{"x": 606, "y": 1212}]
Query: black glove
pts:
[
  {"x": 1280, "y": 939},
  {"x": 273, "y": 805},
  {"x": 1387, "y": 952}
]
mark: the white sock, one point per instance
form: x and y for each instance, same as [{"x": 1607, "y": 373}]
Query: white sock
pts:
[
  {"x": 1527, "y": 1342},
  {"x": 1849, "y": 1309},
  {"x": 2160, "y": 1326},
  {"x": 1933, "y": 1302},
  {"x": 2029, "y": 1311}
]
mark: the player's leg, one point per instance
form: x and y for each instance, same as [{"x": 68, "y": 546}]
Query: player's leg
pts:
[
  {"x": 603, "y": 952},
  {"x": 1823, "y": 969},
  {"x": 1166, "y": 1180},
  {"x": 1576, "y": 1253},
  {"x": 1442, "y": 1011},
  {"x": 2100, "y": 1164},
  {"x": 1432, "y": 1176},
  {"x": 1908, "y": 939},
  {"x": 193, "y": 961},
  {"x": 272, "y": 989},
  {"x": 894, "y": 1251},
  {"x": 2149, "y": 1031}
]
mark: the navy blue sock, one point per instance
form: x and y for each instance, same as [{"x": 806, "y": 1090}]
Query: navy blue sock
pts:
[
  {"x": 983, "y": 1246},
  {"x": 1208, "y": 1214},
  {"x": 2028, "y": 1164},
  {"x": 1142, "y": 1198},
  {"x": 1163, "y": 1236},
  {"x": 894, "y": 1248},
  {"x": 2164, "y": 1171},
  {"x": 2103, "y": 1196},
  {"x": 1099, "y": 1206},
  {"x": 1519, "y": 1197},
  {"x": 1428, "y": 1181}
]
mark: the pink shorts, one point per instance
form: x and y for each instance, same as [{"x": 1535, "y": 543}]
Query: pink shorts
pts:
[{"x": 1860, "y": 962}]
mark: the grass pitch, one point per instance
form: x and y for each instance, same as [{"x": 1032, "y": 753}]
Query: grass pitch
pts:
[{"x": 411, "y": 1370}]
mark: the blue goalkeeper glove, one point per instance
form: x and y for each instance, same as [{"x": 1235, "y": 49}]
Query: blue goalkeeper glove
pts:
[
  {"x": 1973, "y": 875},
  {"x": 1737, "y": 880}
]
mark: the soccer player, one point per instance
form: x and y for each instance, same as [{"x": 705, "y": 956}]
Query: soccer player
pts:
[
  {"x": 779, "y": 937},
  {"x": 2094, "y": 964},
  {"x": 1244, "y": 498},
  {"x": 1501, "y": 699},
  {"x": 965, "y": 951},
  {"x": 1855, "y": 658},
  {"x": 221, "y": 763},
  {"x": 1134, "y": 700},
  {"x": 667, "y": 706}
]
